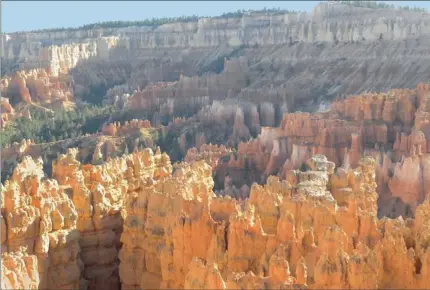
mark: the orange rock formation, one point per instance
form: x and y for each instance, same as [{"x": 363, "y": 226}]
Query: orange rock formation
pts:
[
  {"x": 115, "y": 129},
  {"x": 34, "y": 86},
  {"x": 294, "y": 232},
  {"x": 98, "y": 193},
  {"x": 40, "y": 242},
  {"x": 318, "y": 228},
  {"x": 210, "y": 153},
  {"x": 37, "y": 85},
  {"x": 6, "y": 111},
  {"x": 392, "y": 127}
]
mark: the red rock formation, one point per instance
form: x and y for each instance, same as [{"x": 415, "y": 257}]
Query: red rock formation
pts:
[
  {"x": 34, "y": 86},
  {"x": 395, "y": 124},
  {"x": 37, "y": 85},
  {"x": 6, "y": 111}
]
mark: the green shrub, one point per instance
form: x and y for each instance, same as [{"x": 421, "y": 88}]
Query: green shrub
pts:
[
  {"x": 155, "y": 22},
  {"x": 45, "y": 126},
  {"x": 378, "y": 5}
]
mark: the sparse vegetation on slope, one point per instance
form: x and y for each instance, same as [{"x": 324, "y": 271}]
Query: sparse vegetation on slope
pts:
[
  {"x": 240, "y": 13},
  {"x": 47, "y": 127},
  {"x": 155, "y": 22},
  {"x": 379, "y": 5}
]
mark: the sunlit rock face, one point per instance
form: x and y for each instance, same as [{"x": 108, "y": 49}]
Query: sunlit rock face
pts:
[
  {"x": 98, "y": 194},
  {"x": 132, "y": 223},
  {"x": 287, "y": 234},
  {"x": 391, "y": 127},
  {"x": 40, "y": 240}
]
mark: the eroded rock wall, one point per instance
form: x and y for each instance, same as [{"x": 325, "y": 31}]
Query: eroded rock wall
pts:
[
  {"x": 318, "y": 228},
  {"x": 327, "y": 23},
  {"x": 98, "y": 194},
  {"x": 40, "y": 240},
  {"x": 295, "y": 60},
  {"x": 132, "y": 220},
  {"x": 391, "y": 127},
  {"x": 36, "y": 86}
]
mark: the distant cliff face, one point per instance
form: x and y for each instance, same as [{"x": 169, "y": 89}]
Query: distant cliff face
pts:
[
  {"x": 296, "y": 61},
  {"x": 62, "y": 50}
]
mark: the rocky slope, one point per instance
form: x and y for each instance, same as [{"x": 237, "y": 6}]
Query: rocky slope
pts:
[
  {"x": 294, "y": 59},
  {"x": 317, "y": 229},
  {"x": 391, "y": 127}
]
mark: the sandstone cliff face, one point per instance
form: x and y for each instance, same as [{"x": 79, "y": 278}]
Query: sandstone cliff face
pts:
[
  {"x": 115, "y": 129},
  {"x": 40, "y": 242},
  {"x": 132, "y": 220},
  {"x": 7, "y": 111},
  {"x": 99, "y": 198},
  {"x": 326, "y": 23},
  {"x": 37, "y": 85},
  {"x": 391, "y": 127},
  {"x": 294, "y": 232},
  {"x": 291, "y": 60},
  {"x": 276, "y": 212},
  {"x": 211, "y": 154}
]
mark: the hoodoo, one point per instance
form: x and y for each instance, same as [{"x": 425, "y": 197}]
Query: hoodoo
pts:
[{"x": 263, "y": 149}]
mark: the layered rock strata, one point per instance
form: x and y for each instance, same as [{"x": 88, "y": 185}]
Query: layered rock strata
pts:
[
  {"x": 98, "y": 194},
  {"x": 316, "y": 229},
  {"x": 326, "y": 23},
  {"x": 293, "y": 60},
  {"x": 391, "y": 127},
  {"x": 40, "y": 241}
]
